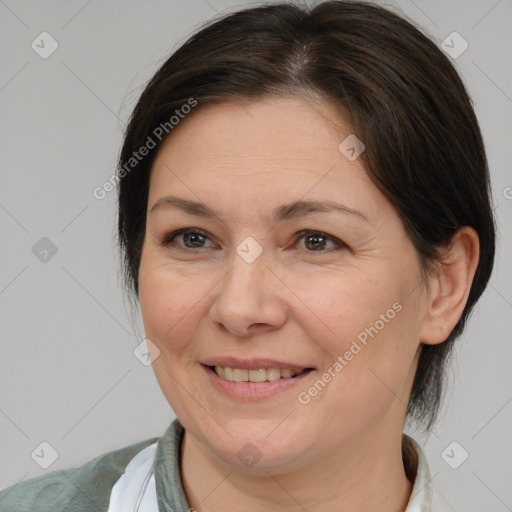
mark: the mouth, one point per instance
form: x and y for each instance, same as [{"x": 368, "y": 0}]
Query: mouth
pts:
[
  {"x": 256, "y": 375},
  {"x": 254, "y": 384}
]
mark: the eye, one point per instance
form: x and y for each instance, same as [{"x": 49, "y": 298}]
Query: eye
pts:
[
  {"x": 188, "y": 235},
  {"x": 193, "y": 239},
  {"x": 316, "y": 240}
]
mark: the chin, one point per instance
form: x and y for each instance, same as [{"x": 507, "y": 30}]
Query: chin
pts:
[{"x": 256, "y": 446}]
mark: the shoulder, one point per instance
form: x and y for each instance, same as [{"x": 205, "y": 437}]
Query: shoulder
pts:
[{"x": 79, "y": 489}]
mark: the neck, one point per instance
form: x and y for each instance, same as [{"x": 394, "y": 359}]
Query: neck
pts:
[{"x": 366, "y": 474}]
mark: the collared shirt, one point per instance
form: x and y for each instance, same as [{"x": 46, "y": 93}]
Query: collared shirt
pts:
[{"x": 145, "y": 477}]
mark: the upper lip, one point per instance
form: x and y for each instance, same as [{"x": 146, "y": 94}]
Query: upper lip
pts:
[{"x": 252, "y": 364}]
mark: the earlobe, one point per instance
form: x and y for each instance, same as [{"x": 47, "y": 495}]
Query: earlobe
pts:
[{"x": 450, "y": 287}]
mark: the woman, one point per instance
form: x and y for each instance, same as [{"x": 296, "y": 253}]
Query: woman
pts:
[{"x": 304, "y": 216}]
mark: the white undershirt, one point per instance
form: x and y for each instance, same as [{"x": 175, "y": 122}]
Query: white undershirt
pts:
[{"x": 133, "y": 490}]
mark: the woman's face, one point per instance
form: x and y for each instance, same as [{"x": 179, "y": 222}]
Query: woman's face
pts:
[{"x": 268, "y": 282}]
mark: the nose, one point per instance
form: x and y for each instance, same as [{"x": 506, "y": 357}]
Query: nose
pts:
[{"x": 249, "y": 298}]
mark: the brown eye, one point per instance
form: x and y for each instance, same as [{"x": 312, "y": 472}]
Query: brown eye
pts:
[
  {"x": 316, "y": 241},
  {"x": 191, "y": 239}
]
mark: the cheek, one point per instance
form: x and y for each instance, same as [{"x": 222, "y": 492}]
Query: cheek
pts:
[
  {"x": 171, "y": 311},
  {"x": 170, "y": 306},
  {"x": 373, "y": 301},
  {"x": 354, "y": 307},
  {"x": 371, "y": 341}
]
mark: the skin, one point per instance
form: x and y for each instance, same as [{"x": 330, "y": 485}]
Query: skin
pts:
[{"x": 341, "y": 451}]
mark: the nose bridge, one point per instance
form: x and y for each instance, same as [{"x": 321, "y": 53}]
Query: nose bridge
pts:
[
  {"x": 247, "y": 294},
  {"x": 247, "y": 278}
]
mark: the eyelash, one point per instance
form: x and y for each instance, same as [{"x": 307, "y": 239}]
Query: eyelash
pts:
[{"x": 168, "y": 239}]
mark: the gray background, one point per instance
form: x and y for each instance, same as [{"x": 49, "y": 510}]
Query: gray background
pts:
[{"x": 68, "y": 375}]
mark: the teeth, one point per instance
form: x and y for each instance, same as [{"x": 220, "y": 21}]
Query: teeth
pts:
[
  {"x": 273, "y": 373},
  {"x": 240, "y": 375},
  {"x": 259, "y": 375},
  {"x": 286, "y": 374}
]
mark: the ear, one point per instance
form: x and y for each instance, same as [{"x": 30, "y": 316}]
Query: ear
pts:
[{"x": 449, "y": 288}]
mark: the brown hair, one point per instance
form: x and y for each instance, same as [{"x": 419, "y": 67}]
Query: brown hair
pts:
[{"x": 404, "y": 99}]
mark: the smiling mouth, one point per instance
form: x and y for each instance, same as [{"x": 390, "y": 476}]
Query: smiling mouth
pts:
[{"x": 259, "y": 375}]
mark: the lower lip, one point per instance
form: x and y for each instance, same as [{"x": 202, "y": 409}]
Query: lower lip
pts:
[{"x": 254, "y": 391}]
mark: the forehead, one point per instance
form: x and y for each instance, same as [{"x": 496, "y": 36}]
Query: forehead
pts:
[{"x": 284, "y": 127}]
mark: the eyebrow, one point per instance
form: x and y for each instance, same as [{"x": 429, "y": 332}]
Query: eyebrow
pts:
[{"x": 293, "y": 210}]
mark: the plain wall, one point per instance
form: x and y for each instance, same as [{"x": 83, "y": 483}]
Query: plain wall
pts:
[{"x": 68, "y": 375}]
